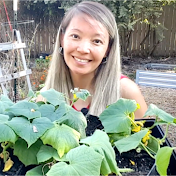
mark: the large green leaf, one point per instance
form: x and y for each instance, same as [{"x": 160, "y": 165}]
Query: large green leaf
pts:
[
  {"x": 24, "y": 108},
  {"x": 47, "y": 152},
  {"x": 153, "y": 110},
  {"x": 83, "y": 161},
  {"x": 53, "y": 97},
  {"x": 130, "y": 142},
  {"x": 48, "y": 110},
  {"x": 30, "y": 131},
  {"x": 38, "y": 171},
  {"x": 99, "y": 141},
  {"x": 162, "y": 159},
  {"x": 27, "y": 155},
  {"x": 115, "y": 118},
  {"x": 74, "y": 119},
  {"x": 62, "y": 138},
  {"x": 7, "y": 134}
]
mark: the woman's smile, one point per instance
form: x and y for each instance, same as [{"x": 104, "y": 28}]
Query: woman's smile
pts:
[{"x": 81, "y": 60}]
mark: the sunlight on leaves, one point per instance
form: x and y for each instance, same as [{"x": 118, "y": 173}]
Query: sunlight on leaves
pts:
[{"x": 62, "y": 138}]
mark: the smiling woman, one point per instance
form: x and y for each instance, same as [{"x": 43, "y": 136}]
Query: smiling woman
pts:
[{"x": 87, "y": 56}]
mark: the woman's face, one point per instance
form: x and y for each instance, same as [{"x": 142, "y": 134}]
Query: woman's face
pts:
[{"x": 85, "y": 43}]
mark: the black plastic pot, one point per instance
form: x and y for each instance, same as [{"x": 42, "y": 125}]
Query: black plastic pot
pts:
[{"x": 158, "y": 133}]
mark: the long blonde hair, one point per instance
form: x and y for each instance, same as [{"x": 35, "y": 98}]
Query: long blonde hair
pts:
[{"x": 107, "y": 79}]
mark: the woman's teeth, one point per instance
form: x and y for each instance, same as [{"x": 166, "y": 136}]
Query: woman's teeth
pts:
[{"x": 80, "y": 60}]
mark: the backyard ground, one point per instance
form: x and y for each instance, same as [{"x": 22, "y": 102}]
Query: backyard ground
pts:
[{"x": 163, "y": 98}]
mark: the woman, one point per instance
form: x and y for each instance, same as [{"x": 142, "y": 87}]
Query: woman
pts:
[{"x": 87, "y": 56}]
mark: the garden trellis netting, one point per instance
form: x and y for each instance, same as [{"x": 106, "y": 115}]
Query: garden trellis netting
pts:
[{"x": 11, "y": 59}]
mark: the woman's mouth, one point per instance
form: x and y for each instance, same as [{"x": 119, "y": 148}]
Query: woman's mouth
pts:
[{"x": 81, "y": 60}]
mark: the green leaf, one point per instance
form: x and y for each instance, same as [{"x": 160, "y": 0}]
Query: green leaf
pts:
[
  {"x": 48, "y": 110},
  {"x": 115, "y": 118},
  {"x": 53, "y": 97},
  {"x": 62, "y": 138},
  {"x": 5, "y": 103},
  {"x": 36, "y": 171},
  {"x": 24, "y": 108},
  {"x": 83, "y": 161},
  {"x": 153, "y": 110},
  {"x": 163, "y": 159},
  {"x": 47, "y": 152},
  {"x": 7, "y": 134},
  {"x": 99, "y": 141},
  {"x": 6, "y": 100},
  {"x": 27, "y": 155},
  {"x": 130, "y": 142},
  {"x": 83, "y": 94},
  {"x": 74, "y": 119},
  {"x": 30, "y": 131},
  {"x": 153, "y": 145}
]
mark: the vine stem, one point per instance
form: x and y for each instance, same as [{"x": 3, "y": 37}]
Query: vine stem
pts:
[
  {"x": 147, "y": 150},
  {"x": 166, "y": 132},
  {"x": 4, "y": 151}
]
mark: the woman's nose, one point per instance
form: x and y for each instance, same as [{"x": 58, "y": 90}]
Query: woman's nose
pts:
[{"x": 84, "y": 47}]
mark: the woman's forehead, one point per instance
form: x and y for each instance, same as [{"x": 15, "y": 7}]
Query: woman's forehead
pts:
[{"x": 80, "y": 20}]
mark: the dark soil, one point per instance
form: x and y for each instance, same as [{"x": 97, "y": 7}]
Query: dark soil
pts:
[{"x": 141, "y": 162}]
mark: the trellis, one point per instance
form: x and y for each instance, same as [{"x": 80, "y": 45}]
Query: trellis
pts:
[{"x": 13, "y": 68}]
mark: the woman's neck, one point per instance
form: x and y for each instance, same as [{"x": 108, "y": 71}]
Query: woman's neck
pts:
[{"x": 82, "y": 81}]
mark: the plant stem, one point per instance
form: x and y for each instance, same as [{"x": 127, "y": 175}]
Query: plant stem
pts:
[
  {"x": 166, "y": 132},
  {"x": 153, "y": 123},
  {"x": 147, "y": 151},
  {"x": 4, "y": 151}
]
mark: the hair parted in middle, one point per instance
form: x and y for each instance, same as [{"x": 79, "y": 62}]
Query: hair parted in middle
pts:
[{"x": 106, "y": 82}]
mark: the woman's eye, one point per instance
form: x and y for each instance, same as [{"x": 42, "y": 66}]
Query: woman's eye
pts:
[
  {"x": 97, "y": 41},
  {"x": 75, "y": 36}
]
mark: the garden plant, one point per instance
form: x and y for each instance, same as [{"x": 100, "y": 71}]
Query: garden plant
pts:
[{"x": 51, "y": 135}]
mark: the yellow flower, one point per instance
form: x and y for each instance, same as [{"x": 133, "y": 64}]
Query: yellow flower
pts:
[
  {"x": 140, "y": 123},
  {"x": 74, "y": 96},
  {"x": 136, "y": 129},
  {"x": 138, "y": 106},
  {"x": 8, "y": 165},
  {"x": 132, "y": 162},
  {"x": 146, "y": 137}
]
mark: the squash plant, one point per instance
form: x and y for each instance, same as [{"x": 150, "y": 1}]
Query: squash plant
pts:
[
  {"x": 126, "y": 133},
  {"x": 51, "y": 136}
]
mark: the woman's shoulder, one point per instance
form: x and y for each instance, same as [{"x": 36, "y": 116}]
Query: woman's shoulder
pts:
[{"x": 129, "y": 88}]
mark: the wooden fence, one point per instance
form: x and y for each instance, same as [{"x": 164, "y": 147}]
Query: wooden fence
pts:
[{"x": 46, "y": 31}]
